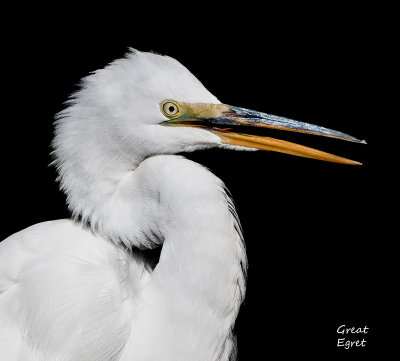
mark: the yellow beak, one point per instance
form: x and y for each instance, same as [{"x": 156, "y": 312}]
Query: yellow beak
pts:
[{"x": 232, "y": 125}]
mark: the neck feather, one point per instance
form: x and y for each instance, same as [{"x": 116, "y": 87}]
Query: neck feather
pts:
[
  {"x": 199, "y": 283},
  {"x": 139, "y": 202},
  {"x": 90, "y": 165}
]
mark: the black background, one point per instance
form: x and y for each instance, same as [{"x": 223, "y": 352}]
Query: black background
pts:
[{"x": 317, "y": 234}]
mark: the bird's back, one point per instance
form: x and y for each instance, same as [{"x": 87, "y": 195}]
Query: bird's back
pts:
[{"x": 64, "y": 291}]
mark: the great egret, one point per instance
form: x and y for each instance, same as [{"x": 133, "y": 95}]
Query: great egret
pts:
[{"x": 79, "y": 289}]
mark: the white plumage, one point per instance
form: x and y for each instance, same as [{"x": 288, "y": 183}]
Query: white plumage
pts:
[
  {"x": 75, "y": 290},
  {"x": 80, "y": 289}
]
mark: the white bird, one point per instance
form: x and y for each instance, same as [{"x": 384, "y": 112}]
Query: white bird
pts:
[{"x": 80, "y": 289}]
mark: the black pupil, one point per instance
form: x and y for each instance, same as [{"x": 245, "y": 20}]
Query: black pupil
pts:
[{"x": 171, "y": 108}]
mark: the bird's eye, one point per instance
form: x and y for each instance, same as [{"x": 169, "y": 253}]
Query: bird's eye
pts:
[{"x": 170, "y": 109}]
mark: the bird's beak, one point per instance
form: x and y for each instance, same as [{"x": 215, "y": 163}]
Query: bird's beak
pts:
[{"x": 235, "y": 126}]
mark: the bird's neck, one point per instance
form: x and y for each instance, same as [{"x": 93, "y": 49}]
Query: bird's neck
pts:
[
  {"x": 196, "y": 289},
  {"x": 92, "y": 172},
  {"x": 200, "y": 280}
]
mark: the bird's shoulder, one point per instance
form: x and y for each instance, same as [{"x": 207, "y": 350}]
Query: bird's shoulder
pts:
[
  {"x": 62, "y": 240},
  {"x": 58, "y": 279}
]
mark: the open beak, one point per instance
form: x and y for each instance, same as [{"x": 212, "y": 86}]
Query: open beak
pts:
[{"x": 235, "y": 125}]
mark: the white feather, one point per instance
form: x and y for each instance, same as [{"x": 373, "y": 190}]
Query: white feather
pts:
[{"x": 76, "y": 289}]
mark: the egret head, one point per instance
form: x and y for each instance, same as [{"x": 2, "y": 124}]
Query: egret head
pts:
[
  {"x": 147, "y": 104},
  {"x": 138, "y": 107}
]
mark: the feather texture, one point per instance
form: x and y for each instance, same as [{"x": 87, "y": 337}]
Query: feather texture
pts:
[{"x": 77, "y": 289}]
